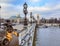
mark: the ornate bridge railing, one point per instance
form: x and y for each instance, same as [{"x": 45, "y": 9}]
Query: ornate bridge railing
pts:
[{"x": 27, "y": 36}]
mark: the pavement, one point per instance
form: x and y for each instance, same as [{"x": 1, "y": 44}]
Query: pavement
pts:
[
  {"x": 19, "y": 27},
  {"x": 15, "y": 39}
]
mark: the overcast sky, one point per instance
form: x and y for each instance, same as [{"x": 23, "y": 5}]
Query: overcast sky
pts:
[{"x": 45, "y": 8}]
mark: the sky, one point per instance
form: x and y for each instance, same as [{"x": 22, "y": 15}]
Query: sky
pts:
[{"x": 45, "y": 8}]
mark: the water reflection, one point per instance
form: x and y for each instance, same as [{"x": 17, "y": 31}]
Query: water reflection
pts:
[{"x": 48, "y": 36}]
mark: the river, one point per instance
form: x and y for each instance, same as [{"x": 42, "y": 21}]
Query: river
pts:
[{"x": 48, "y": 36}]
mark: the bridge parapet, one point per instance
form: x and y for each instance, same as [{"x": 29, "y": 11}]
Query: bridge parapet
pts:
[{"x": 27, "y": 36}]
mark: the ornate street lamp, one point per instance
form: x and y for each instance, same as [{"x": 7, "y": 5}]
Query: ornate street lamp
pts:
[
  {"x": 0, "y": 18},
  {"x": 31, "y": 17},
  {"x": 25, "y": 12},
  {"x": 38, "y": 20}
]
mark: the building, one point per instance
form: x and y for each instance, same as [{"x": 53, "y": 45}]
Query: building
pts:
[{"x": 16, "y": 19}]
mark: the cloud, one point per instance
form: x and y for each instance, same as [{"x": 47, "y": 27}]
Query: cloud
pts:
[
  {"x": 33, "y": 9},
  {"x": 35, "y": 1},
  {"x": 8, "y": 10},
  {"x": 44, "y": 11},
  {"x": 5, "y": 1},
  {"x": 48, "y": 10}
]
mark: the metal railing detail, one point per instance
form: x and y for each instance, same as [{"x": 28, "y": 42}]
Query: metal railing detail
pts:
[{"x": 27, "y": 36}]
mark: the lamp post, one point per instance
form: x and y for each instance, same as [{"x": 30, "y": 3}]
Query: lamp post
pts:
[
  {"x": 25, "y": 12},
  {"x": 38, "y": 20},
  {"x": 0, "y": 17},
  {"x": 31, "y": 17}
]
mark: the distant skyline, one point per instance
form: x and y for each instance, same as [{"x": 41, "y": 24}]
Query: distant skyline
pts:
[{"x": 45, "y": 8}]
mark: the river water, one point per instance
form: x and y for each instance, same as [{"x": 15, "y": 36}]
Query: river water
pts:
[{"x": 48, "y": 36}]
